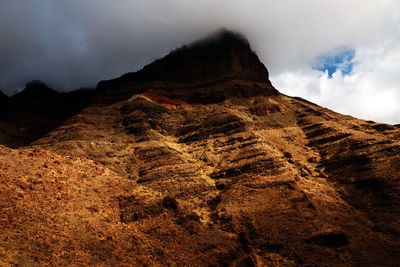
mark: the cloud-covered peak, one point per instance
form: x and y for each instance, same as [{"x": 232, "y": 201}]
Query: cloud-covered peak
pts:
[
  {"x": 222, "y": 55},
  {"x": 72, "y": 43}
]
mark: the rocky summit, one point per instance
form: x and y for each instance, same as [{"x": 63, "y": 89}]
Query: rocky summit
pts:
[{"x": 195, "y": 160}]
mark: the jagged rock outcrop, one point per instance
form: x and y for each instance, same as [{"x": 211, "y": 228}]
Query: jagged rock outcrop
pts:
[{"x": 146, "y": 174}]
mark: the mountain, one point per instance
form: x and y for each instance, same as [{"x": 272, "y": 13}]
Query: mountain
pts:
[
  {"x": 223, "y": 55},
  {"x": 37, "y": 110},
  {"x": 4, "y": 101},
  {"x": 3, "y": 97},
  {"x": 206, "y": 71},
  {"x": 175, "y": 166},
  {"x": 35, "y": 91}
]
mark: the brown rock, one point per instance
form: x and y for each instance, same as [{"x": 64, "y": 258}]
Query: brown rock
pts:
[{"x": 202, "y": 166}]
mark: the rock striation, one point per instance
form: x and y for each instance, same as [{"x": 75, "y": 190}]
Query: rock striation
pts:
[{"x": 173, "y": 165}]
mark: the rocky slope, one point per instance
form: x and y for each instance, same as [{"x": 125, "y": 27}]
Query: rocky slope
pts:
[{"x": 197, "y": 160}]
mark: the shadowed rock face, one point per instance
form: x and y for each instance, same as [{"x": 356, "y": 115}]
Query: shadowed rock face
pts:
[
  {"x": 35, "y": 111},
  {"x": 192, "y": 72},
  {"x": 35, "y": 91},
  {"x": 223, "y": 55},
  {"x": 223, "y": 173},
  {"x": 4, "y": 101},
  {"x": 3, "y": 97}
]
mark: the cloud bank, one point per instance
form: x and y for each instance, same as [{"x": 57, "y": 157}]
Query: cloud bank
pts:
[{"x": 74, "y": 43}]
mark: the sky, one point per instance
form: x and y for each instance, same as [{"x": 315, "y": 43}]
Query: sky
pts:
[{"x": 342, "y": 54}]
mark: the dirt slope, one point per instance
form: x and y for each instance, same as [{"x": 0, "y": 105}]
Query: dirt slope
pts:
[{"x": 226, "y": 172}]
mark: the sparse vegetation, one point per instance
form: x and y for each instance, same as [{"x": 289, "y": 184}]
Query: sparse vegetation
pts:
[{"x": 207, "y": 170}]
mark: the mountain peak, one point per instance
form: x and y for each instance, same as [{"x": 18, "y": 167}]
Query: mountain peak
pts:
[
  {"x": 224, "y": 36},
  {"x": 35, "y": 90},
  {"x": 196, "y": 147},
  {"x": 223, "y": 55},
  {"x": 3, "y": 97},
  {"x": 4, "y": 101}
]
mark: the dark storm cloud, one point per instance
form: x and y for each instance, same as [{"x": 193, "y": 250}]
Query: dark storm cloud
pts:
[
  {"x": 70, "y": 44},
  {"x": 75, "y": 43}
]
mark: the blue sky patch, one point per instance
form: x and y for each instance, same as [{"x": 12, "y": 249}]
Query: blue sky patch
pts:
[{"x": 340, "y": 59}]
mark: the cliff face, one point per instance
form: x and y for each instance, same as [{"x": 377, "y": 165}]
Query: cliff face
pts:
[
  {"x": 203, "y": 172},
  {"x": 206, "y": 71},
  {"x": 223, "y": 55}
]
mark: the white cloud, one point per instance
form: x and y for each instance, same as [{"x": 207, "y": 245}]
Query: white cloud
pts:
[{"x": 371, "y": 91}]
